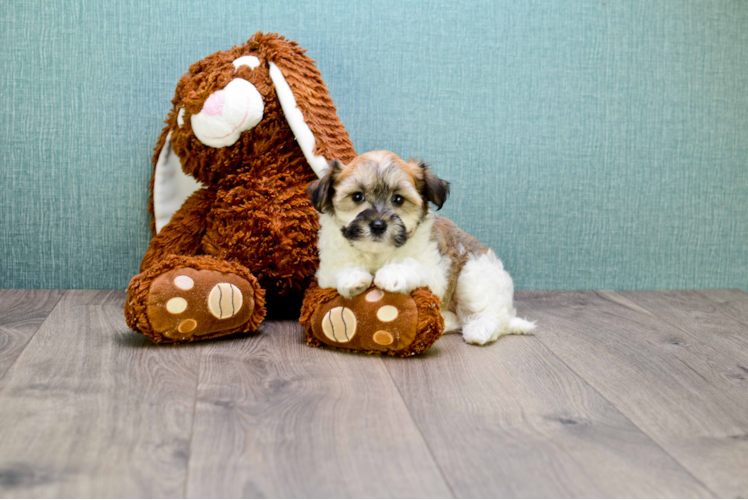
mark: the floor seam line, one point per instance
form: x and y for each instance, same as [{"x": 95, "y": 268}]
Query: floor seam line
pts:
[
  {"x": 666, "y": 452},
  {"x": 420, "y": 432},
  {"x": 192, "y": 425}
]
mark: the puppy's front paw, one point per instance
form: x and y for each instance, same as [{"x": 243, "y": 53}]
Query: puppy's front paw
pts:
[
  {"x": 395, "y": 279},
  {"x": 354, "y": 282}
]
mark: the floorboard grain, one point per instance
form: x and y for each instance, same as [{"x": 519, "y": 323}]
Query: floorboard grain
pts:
[
  {"x": 704, "y": 319},
  {"x": 91, "y": 409},
  {"x": 21, "y": 314},
  {"x": 511, "y": 420},
  {"x": 276, "y": 418},
  {"x": 675, "y": 387},
  {"x": 733, "y": 303},
  {"x": 629, "y": 394}
]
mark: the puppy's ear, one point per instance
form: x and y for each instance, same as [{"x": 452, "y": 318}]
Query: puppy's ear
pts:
[
  {"x": 322, "y": 190},
  {"x": 433, "y": 189}
]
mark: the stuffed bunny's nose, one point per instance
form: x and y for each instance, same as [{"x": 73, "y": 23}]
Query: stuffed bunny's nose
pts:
[
  {"x": 214, "y": 105},
  {"x": 228, "y": 112}
]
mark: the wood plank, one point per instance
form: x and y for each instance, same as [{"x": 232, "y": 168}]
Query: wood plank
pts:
[
  {"x": 511, "y": 420},
  {"x": 21, "y": 314},
  {"x": 276, "y": 418},
  {"x": 673, "y": 386},
  {"x": 696, "y": 314},
  {"x": 91, "y": 409},
  {"x": 734, "y": 303}
]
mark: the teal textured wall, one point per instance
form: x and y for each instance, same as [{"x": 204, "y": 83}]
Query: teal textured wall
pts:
[{"x": 593, "y": 144}]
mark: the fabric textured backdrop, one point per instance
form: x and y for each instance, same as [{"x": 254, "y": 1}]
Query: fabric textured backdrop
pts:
[{"x": 593, "y": 144}]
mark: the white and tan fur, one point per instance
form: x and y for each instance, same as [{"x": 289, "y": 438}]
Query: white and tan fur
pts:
[{"x": 415, "y": 248}]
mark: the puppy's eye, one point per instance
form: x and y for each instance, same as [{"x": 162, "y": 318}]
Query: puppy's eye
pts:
[
  {"x": 357, "y": 197},
  {"x": 398, "y": 200}
]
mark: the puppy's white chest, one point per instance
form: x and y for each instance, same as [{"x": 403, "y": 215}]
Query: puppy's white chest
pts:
[{"x": 423, "y": 252}]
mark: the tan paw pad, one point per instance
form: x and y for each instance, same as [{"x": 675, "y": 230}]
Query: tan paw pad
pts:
[
  {"x": 383, "y": 337},
  {"x": 187, "y": 326},
  {"x": 224, "y": 301},
  {"x": 184, "y": 282},
  {"x": 374, "y": 295},
  {"x": 385, "y": 314},
  {"x": 176, "y": 305},
  {"x": 339, "y": 324}
]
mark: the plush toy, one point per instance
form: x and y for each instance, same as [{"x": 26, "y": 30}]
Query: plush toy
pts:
[
  {"x": 249, "y": 130},
  {"x": 374, "y": 322}
]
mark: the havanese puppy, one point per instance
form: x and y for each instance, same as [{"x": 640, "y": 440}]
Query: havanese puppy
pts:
[{"x": 376, "y": 226}]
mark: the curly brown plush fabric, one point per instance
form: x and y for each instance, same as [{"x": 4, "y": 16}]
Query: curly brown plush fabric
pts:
[{"x": 253, "y": 211}]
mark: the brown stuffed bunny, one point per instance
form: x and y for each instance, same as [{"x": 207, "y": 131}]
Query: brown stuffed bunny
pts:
[
  {"x": 249, "y": 130},
  {"x": 246, "y": 126}
]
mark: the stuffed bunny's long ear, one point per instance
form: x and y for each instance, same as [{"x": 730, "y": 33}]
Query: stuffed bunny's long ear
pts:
[
  {"x": 171, "y": 186},
  {"x": 304, "y": 136},
  {"x": 307, "y": 105}
]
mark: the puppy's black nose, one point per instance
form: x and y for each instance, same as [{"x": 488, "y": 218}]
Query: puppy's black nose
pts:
[{"x": 378, "y": 227}]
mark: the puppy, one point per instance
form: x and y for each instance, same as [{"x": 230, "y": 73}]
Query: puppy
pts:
[{"x": 376, "y": 226}]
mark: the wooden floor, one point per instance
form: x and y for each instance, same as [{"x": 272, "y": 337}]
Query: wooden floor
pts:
[{"x": 617, "y": 394}]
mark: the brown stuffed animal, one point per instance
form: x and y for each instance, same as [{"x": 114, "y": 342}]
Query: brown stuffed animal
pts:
[
  {"x": 249, "y": 130},
  {"x": 246, "y": 126}
]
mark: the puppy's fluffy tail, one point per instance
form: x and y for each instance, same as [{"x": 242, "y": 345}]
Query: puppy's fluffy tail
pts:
[
  {"x": 488, "y": 326},
  {"x": 519, "y": 325},
  {"x": 485, "y": 301}
]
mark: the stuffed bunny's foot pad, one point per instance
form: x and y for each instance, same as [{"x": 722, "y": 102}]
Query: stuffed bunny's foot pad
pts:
[
  {"x": 374, "y": 322},
  {"x": 186, "y": 303}
]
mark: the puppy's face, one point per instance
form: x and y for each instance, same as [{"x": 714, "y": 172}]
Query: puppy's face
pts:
[{"x": 378, "y": 200}]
